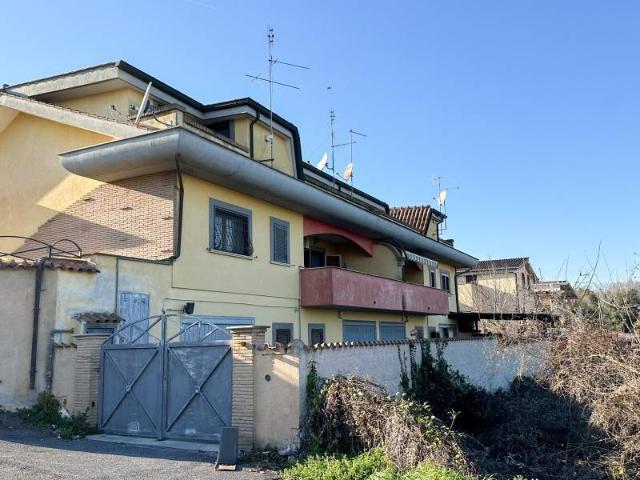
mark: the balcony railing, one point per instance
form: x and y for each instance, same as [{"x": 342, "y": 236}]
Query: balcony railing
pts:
[{"x": 332, "y": 287}]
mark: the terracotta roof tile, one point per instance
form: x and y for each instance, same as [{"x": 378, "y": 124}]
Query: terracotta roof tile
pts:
[
  {"x": 69, "y": 264},
  {"x": 501, "y": 264},
  {"x": 416, "y": 217}
]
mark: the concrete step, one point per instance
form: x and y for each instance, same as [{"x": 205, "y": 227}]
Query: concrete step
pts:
[{"x": 196, "y": 447}]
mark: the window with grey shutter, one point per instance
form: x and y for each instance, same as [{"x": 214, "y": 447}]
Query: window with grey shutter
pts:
[
  {"x": 279, "y": 241},
  {"x": 282, "y": 333},
  {"x": 230, "y": 229},
  {"x": 316, "y": 333}
]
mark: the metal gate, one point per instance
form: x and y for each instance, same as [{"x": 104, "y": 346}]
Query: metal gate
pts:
[{"x": 167, "y": 376}]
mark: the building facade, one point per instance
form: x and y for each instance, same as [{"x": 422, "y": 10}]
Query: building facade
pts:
[{"x": 203, "y": 209}]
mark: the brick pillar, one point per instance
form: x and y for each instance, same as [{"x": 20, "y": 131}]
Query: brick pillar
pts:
[
  {"x": 87, "y": 374},
  {"x": 243, "y": 400}
]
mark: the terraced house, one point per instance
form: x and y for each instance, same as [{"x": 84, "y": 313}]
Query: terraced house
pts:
[{"x": 199, "y": 211}]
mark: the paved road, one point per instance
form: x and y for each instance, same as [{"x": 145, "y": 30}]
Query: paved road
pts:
[{"x": 31, "y": 454}]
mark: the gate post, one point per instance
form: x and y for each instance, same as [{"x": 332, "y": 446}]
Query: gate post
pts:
[
  {"x": 87, "y": 374},
  {"x": 243, "y": 402}
]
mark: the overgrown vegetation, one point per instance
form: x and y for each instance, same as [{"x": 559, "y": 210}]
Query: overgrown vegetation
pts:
[
  {"x": 46, "y": 413},
  {"x": 371, "y": 465},
  {"x": 351, "y": 415},
  {"x": 578, "y": 419}
]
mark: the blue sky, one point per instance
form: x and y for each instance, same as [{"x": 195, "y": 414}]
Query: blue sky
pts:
[{"x": 531, "y": 107}]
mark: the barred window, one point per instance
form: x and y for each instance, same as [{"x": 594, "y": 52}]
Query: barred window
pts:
[
  {"x": 279, "y": 241},
  {"x": 230, "y": 229}
]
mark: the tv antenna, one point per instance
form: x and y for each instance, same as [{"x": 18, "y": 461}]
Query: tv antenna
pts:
[
  {"x": 272, "y": 61},
  {"x": 332, "y": 167},
  {"x": 441, "y": 199},
  {"x": 348, "y": 171}
]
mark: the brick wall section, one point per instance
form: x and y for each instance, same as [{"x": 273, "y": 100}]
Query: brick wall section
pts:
[
  {"x": 243, "y": 401},
  {"x": 135, "y": 217},
  {"x": 87, "y": 374}
]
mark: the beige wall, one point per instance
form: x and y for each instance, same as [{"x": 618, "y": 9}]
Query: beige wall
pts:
[
  {"x": 17, "y": 292},
  {"x": 29, "y": 149},
  {"x": 278, "y": 398},
  {"x": 100, "y": 104},
  {"x": 282, "y": 145}
]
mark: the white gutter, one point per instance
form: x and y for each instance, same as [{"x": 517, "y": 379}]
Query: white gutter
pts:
[{"x": 157, "y": 152}]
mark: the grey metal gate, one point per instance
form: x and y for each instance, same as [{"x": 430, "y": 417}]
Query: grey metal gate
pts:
[{"x": 167, "y": 376}]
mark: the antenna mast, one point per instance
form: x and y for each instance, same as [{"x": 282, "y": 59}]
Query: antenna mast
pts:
[
  {"x": 272, "y": 61},
  {"x": 441, "y": 199},
  {"x": 352, "y": 132}
]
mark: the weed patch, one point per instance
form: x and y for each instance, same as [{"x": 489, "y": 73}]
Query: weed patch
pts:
[{"x": 46, "y": 414}]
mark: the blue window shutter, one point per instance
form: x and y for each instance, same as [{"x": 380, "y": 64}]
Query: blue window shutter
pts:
[
  {"x": 131, "y": 308},
  {"x": 358, "y": 331},
  {"x": 392, "y": 331},
  {"x": 279, "y": 241}
]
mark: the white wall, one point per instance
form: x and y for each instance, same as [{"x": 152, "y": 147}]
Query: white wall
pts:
[{"x": 482, "y": 361}]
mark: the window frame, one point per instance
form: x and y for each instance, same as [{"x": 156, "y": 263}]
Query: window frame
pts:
[
  {"x": 235, "y": 209},
  {"x": 281, "y": 326},
  {"x": 283, "y": 223},
  {"x": 368, "y": 323},
  {"x": 442, "y": 326},
  {"x": 445, "y": 274},
  {"x": 433, "y": 278},
  {"x": 320, "y": 326}
]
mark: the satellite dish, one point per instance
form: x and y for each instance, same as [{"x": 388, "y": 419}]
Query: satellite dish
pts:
[
  {"x": 348, "y": 172},
  {"x": 442, "y": 197},
  {"x": 323, "y": 162}
]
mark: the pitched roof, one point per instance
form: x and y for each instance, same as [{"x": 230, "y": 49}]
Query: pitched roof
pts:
[
  {"x": 501, "y": 264},
  {"x": 416, "y": 217},
  {"x": 87, "y": 121}
]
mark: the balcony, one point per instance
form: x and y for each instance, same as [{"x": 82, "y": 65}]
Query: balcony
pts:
[{"x": 332, "y": 287}]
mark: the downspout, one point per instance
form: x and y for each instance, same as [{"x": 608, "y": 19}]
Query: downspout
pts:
[
  {"x": 40, "y": 266},
  {"x": 253, "y": 122},
  {"x": 178, "y": 248},
  {"x": 51, "y": 354}
]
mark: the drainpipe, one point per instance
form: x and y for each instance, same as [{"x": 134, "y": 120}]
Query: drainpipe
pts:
[
  {"x": 40, "y": 266},
  {"x": 178, "y": 248},
  {"x": 253, "y": 122},
  {"x": 51, "y": 354}
]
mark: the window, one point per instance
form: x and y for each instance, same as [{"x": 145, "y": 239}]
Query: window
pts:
[
  {"x": 448, "y": 331},
  {"x": 313, "y": 258},
  {"x": 358, "y": 331},
  {"x": 282, "y": 333},
  {"x": 211, "y": 328},
  {"x": 333, "y": 261},
  {"x": 224, "y": 128},
  {"x": 433, "y": 333},
  {"x": 392, "y": 331},
  {"x": 316, "y": 333},
  {"x": 444, "y": 281},
  {"x": 230, "y": 229},
  {"x": 419, "y": 332},
  {"x": 279, "y": 241},
  {"x": 470, "y": 278},
  {"x": 432, "y": 278}
]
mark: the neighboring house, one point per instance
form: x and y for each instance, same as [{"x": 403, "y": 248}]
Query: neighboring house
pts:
[
  {"x": 500, "y": 286},
  {"x": 187, "y": 211}
]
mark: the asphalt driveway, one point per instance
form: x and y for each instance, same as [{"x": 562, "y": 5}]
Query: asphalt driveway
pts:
[{"x": 27, "y": 453}]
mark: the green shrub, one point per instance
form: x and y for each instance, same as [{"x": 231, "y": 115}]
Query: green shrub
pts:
[
  {"x": 46, "y": 413},
  {"x": 362, "y": 467},
  {"x": 372, "y": 465}
]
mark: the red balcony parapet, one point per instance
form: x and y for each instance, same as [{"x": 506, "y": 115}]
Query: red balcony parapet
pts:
[{"x": 333, "y": 287}]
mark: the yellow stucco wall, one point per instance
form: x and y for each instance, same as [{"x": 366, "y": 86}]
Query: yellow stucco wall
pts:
[
  {"x": 34, "y": 186},
  {"x": 282, "y": 148},
  {"x": 277, "y": 417},
  {"x": 100, "y": 104},
  {"x": 17, "y": 289},
  {"x": 495, "y": 292}
]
